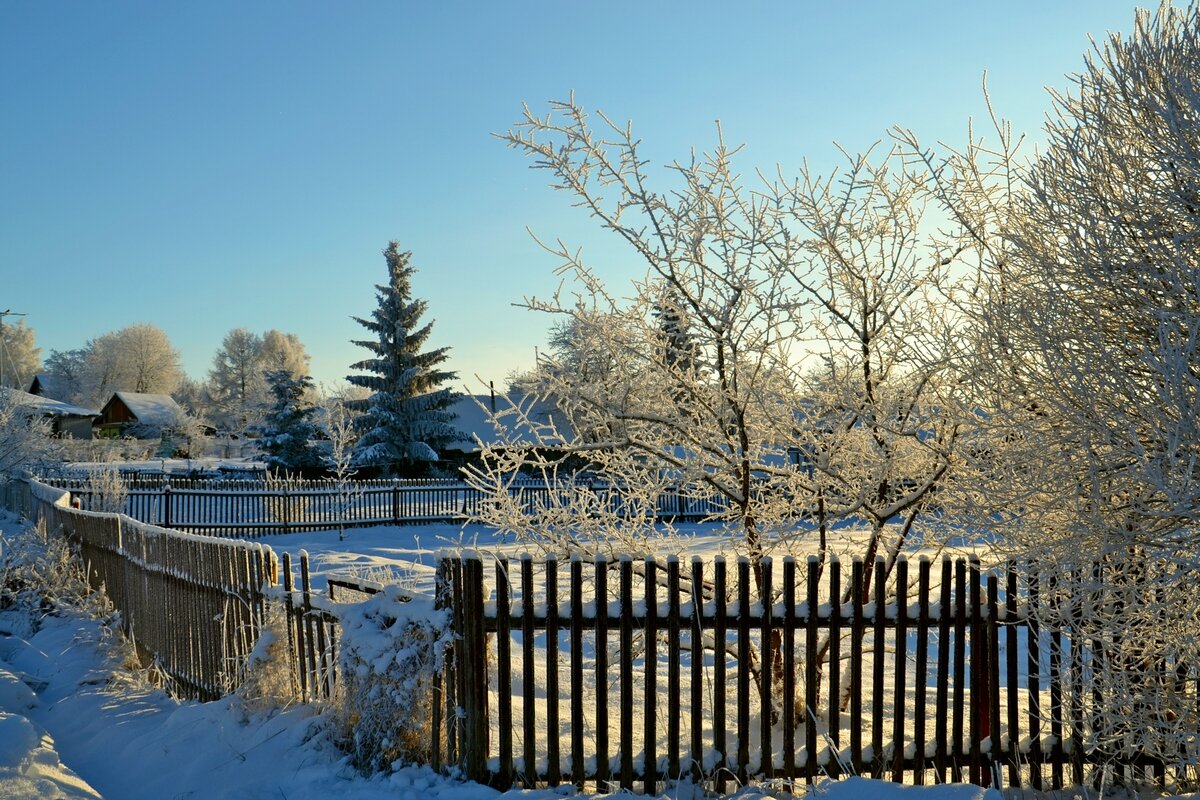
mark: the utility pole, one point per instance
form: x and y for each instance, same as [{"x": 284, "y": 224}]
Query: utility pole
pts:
[{"x": 8, "y": 312}]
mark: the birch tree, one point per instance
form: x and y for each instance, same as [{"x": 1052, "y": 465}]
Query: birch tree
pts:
[
  {"x": 137, "y": 358},
  {"x": 236, "y": 383}
]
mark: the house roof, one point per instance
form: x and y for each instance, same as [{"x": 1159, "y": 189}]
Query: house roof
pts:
[
  {"x": 473, "y": 419},
  {"x": 149, "y": 409},
  {"x": 54, "y": 408}
]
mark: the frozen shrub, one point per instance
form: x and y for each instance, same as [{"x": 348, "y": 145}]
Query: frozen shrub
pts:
[
  {"x": 391, "y": 648},
  {"x": 268, "y": 679},
  {"x": 106, "y": 489}
]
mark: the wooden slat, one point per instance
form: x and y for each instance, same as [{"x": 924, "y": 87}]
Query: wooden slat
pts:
[
  {"x": 900, "y": 670},
  {"x": 769, "y": 647},
  {"x": 743, "y": 671},
  {"x": 504, "y": 717},
  {"x": 673, "y": 658},
  {"x": 811, "y": 669},
  {"x": 995, "y": 754},
  {"x": 650, "y": 682},
  {"x": 719, "y": 636},
  {"x": 834, "y": 668},
  {"x": 1012, "y": 683},
  {"x": 553, "y": 722},
  {"x": 857, "y": 632},
  {"x": 878, "y": 650},
  {"x": 941, "y": 758},
  {"x": 697, "y": 707},
  {"x": 960, "y": 660},
  {"x": 602, "y": 753},
  {"x": 921, "y": 672},
  {"x": 625, "y": 672},
  {"x": 789, "y": 670},
  {"x": 528, "y": 676},
  {"x": 978, "y": 667},
  {"x": 578, "y": 770}
]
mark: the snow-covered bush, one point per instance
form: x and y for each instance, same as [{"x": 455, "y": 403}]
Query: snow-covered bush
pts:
[
  {"x": 267, "y": 682},
  {"x": 383, "y": 705},
  {"x": 38, "y": 572},
  {"x": 106, "y": 489}
]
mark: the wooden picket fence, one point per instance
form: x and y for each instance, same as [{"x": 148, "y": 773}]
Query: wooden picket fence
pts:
[
  {"x": 634, "y": 673},
  {"x": 250, "y": 509},
  {"x": 194, "y": 606},
  {"x": 630, "y": 674}
]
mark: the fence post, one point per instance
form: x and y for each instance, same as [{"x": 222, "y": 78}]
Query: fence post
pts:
[
  {"x": 166, "y": 505},
  {"x": 286, "y": 515},
  {"x": 396, "y": 502}
]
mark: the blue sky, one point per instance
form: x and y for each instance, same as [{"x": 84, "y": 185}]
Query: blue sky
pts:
[{"x": 206, "y": 166}]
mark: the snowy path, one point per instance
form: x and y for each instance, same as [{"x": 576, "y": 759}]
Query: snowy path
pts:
[{"x": 124, "y": 742}]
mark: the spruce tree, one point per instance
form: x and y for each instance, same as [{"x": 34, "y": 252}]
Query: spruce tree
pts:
[
  {"x": 288, "y": 432},
  {"x": 676, "y": 344},
  {"x": 407, "y": 419}
]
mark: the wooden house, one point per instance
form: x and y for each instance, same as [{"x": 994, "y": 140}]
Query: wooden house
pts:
[
  {"x": 66, "y": 420},
  {"x": 138, "y": 412}
]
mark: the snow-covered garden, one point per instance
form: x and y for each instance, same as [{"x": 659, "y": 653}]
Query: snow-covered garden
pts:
[{"x": 891, "y": 471}]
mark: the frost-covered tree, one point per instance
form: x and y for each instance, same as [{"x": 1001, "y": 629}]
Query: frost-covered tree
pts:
[
  {"x": 137, "y": 358},
  {"x": 65, "y": 371},
  {"x": 151, "y": 361},
  {"x": 289, "y": 432},
  {"x": 24, "y": 434},
  {"x": 283, "y": 351},
  {"x": 338, "y": 422},
  {"x": 813, "y": 316},
  {"x": 1089, "y": 347},
  {"x": 406, "y": 421},
  {"x": 237, "y": 389},
  {"x": 192, "y": 395},
  {"x": 19, "y": 355},
  {"x": 677, "y": 343},
  {"x": 236, "y": 384}
]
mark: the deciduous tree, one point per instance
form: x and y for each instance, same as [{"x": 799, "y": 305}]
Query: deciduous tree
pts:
[{"x": 19, "y": 355}]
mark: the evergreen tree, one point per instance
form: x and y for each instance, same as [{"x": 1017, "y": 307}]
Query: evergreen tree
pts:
[
  {"x": 288, "y": 432},
  {"x": 676, "y": 344},
  {"x": 406, "y": 420}
]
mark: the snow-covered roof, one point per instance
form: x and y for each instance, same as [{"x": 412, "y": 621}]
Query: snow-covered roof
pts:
[
  {"x": 473, "y": 420},
  {"x": 54, "y": 408},
  {"x": 150, "y": 409}
]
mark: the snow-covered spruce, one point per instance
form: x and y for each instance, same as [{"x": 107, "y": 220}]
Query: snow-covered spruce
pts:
[
  {"x": 289, "y": 431},
  {"x": 406, "y": 421}
]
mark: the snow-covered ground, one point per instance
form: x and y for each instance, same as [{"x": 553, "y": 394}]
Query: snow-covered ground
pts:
[{"x": 74, "y": 722}]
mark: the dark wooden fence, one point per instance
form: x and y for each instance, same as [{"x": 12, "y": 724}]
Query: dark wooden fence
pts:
[
  {"x": 249, "y": 509},
  {"x": 632, "y": 673},
  {"x": 193, "y": 605}
]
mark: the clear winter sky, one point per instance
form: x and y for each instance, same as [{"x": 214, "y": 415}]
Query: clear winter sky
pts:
[{"x": 210, "y": 165}]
